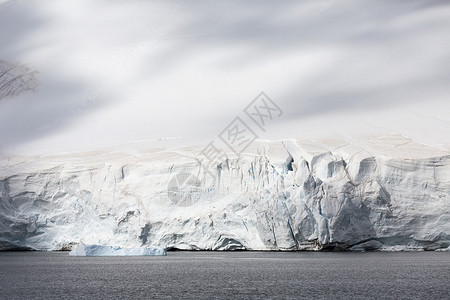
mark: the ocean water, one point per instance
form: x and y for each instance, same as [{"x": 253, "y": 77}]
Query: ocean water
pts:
[{"x": 226, "y": 275}]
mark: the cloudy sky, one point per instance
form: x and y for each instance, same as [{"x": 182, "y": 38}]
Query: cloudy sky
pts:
[{"x": 117, "y": 71}]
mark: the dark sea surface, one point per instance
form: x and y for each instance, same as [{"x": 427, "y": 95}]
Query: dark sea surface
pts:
[{"x": 254, "y": 275}]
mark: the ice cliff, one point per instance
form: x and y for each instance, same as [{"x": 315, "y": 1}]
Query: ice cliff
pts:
[{"x": 383, "y": 193}]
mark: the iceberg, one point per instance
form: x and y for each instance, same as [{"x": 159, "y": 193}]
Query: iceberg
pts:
[{"x": 99, "y": 250}]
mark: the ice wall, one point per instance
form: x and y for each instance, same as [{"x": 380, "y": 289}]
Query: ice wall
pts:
[{"x": 380, "y": 193}]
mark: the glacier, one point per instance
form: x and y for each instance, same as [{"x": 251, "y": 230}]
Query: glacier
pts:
[
  {"x": 375, "y": 193},
  {"x": 100, "y": 250}
]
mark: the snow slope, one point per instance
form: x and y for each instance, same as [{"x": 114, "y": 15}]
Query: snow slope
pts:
[
  {"x": 119, "y": 71},
  {"x": 386, "y": 193}
]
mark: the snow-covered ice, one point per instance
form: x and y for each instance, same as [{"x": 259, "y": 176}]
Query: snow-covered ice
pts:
[
  {"x": 379, "y": 193},
  {"x": 99, "y": 250}
]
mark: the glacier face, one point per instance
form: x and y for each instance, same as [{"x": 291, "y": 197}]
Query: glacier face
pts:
[{"x": 383, "y": 193}]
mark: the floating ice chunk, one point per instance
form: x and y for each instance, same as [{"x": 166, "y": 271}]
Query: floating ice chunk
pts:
[{"x": 99, "y": 250}]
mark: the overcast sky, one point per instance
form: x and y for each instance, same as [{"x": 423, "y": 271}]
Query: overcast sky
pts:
[{"x": 118, "y": 71}]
